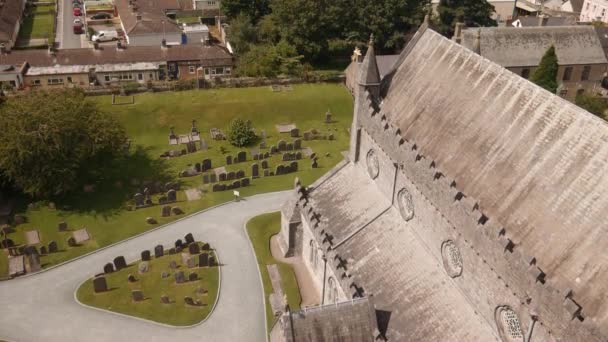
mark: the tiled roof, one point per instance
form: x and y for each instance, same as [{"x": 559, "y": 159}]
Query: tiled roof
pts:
[{"x": 10, "y": 13}]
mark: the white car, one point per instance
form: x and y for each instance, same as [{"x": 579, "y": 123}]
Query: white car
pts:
[
  {"x": 77, "y": 21},
  {"x": 105, "y": 36}
]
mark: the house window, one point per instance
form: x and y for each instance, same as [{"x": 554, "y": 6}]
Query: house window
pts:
[
  {"x": 567, "y": 74},
  {"x": 140, "y": 76},
  {"x": 212, "y": 71},
  {"x": 106, "y": 78},
  {"x": 586, "y": 72},
  {"x": 331, "y": 290},
  {"x": 36, "y": 82},
  {"x": 53, "y": 81},
  {"x": 580, "y": 92},
  {"x": 69, "y": 79},
  {"x": 206, "y": 71},
  {"x": 219, "y": 71},
  {"x": 191, "y": 69},
  {"x": 151, "y": 76},
  {"x": 227, "y": 70},
  {"x": 525, "y": 73}
]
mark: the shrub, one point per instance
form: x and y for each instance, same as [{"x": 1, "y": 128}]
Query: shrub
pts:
[{"x": 240, "y": 133}]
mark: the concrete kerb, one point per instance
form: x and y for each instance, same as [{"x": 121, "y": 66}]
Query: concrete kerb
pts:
[
  {"x": 138, "y": 235},
  {"x": 217, "y": 298}
]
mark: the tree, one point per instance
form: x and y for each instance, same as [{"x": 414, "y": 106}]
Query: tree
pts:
[
  {"x": 242, "y": 34},
  {"x": 473, "y": 13},
  {"x": 593, "y": 104},
  {"x": 54, "y": 142},
  {"x": 546, "y": 73},
  {"x": 240, "y": 133},
  {"x": 254, "y": 9},
  {"x": 270, "y": 61}
]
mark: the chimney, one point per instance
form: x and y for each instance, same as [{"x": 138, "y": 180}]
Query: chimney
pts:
[
  {"x": 163, "y": 43},
  {"x": 543, "y": 19},
  {"x": 457, "y": 37}
]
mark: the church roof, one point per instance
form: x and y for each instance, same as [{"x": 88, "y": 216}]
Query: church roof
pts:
[
  {"x": 525, "y": 46},
  {"x": 535, "y": 163}
]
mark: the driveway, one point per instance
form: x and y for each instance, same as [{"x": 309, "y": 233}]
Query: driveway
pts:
[
  {"x": 65, "y": 22},
  {"x": 41, "y": 307}
]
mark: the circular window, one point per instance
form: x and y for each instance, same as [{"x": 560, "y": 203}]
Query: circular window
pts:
[
  {"x": 373, "y": 167},
  {"x": 508, "y": 325},
  {"x": 406, "y": 204},
  {"x": 452, "y": 260}
]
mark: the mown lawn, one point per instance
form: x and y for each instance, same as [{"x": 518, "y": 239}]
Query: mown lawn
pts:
[
  {"x": 39, "y": 24},
  {"x": 147, "y": 122},
  {"x": 260, "y": 230},
  {"x": 153, "y": 286}
]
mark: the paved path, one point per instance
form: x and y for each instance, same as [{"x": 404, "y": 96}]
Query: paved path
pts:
[
  {"x": 65, "y": 22},
  {"x": 41, "y": 307}
]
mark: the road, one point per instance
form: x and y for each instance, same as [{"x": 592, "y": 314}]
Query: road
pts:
[
  {"x": 65, "y": 21},
  {"x": 41, "y": 307}
]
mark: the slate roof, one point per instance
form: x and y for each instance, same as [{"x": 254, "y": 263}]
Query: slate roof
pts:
[
  {"x": 535, "y": 163},
  {"x": 525, "y": 46},
  {"x": 530, "y": 21},
  {"x": 153, "y": 17},
  {"x": 10, "y": 13}
]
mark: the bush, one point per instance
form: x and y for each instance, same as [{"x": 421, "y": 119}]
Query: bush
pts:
[
  {"x": 240, "y": 133},
  {"x": 185, "y": 85},
  {"x": 594, "y": 104}
]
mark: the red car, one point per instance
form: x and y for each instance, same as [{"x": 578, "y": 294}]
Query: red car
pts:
[{"x": 77, "y": 12}]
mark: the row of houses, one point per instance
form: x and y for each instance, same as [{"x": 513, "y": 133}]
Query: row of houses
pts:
[
  {"x": 11, "y": 13},
  {"x": 108, "y": 65}
]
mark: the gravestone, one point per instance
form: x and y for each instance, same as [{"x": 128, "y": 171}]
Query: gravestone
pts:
[
  {"x": 282, "y": 145},
  {"x": 236, "y": 184},
  {"x": 138, "y": 295},
  {"x": 231, "y": 175},
  {"x": 297, "y": 144},
  {"x": 194, "y": 249},
  {"x": 289, "y": 147},
  {"x": 145, "y": 255},
  {"x": 313, "y": 155},
  {"x": 307, "y": 136},
  {"x": 264, "y": 164},
  {"x": 197, "y": 167},
  {"x": 34, "y": 262},
  {"x": 173, "y": 264},
  {"x": 192, "y": 277},
  {"x": 189, "y": 301},
  {"x": 171, "y": 195},
  {"x": 331, "y": 136},
  {"x": 204, "y": 145},
  {"x": 266, "y": 173},
  {"x": 206, "y": 247},
  {"x": 203, "y": 260},
  {"x": 159, "y": 251},
  {"x": 191, "y": 262},
  {"x": 255, "y": 171},
  {"x": 293, "y": 167},
  {"x": 164, "y": 299},
  {"x": 216, "y": 188},
  {"x": 228, "y": 160},
  {"x": 189, "y": 238},
  {"x": 294, "y": 133},
  {"x": 263, "y": 144},
  {"x": 213, "y": 178},
  {"x": 151, "y": 220},
  {"x": 165, "y": 211},
  {"x": 222, "y": 177},
  {"x": 256, "y": 157},
  {"x": 108, "y": 268},
  {"x": 327, "y": 117},
  {"x": 100, "y": 284},
  {"x": 240, "y": 174},
  {"x": 314, "y": 164},
  {"x": 62, "y": 226},
  {"x": 164, "y": 275},
  {"x": 179, "y": 277},
  {"x": 298, "y": 155},
  {"x": 200, "y": 290},
  {"x": 206, "y": 166},
  {"x": 172, "y": 251},
  {"x": 206, "y": 178},
  {"x": 245, "y": 182},
  {"x": 212, "y": 261},
  {"x": 43, "y": 250},
  {"x": 120, "y": 263},
  {"x": 71, "y": 242},
  {"x": 279, "y": 170},
  {"x": 242, "y": 156},
  {"x": 178, "y": 243},
  {"x": 162, "y": 200},
  {"x": 52, "y": 247},
  {"x": 286, "y": 156},
  {"x": 190, "y": 147},
  {"x": 131, "y": 278},
  {"x": 139, "y": 199},
  {"x": 266, "y": 155},
  {"x": 177, "y": 211},
  {"x": 29, "y": 250},
  {"x": 273, "y": 149},
  {"x": 143, "y": 267},
  {"x": 7, "y": 243}
]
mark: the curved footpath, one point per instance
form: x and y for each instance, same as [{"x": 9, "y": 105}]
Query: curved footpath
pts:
[{"x": 42, "y": 307}]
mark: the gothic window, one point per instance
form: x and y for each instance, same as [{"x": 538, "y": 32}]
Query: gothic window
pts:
[
  {"x": 452, "y": 260},
  {"x": 406, "y": 204},
  {"x": 373, "y": 166},
  {"x": 331, "y": 290},
  {"x": 509, "y": 327}
]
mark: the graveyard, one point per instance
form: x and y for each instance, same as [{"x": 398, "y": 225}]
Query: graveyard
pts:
[
  {"x": 301, "y": 132},
  {"x": 260, "y": 229},
  {"x": 176, "y": 285}
]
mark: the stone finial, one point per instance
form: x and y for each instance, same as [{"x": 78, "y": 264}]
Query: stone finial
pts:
[
  {"x": 371, "y": 40},
  {"x": 477, "y": 43}
]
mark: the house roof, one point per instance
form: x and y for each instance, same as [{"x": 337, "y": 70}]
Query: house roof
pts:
[
  {"x": 529, "y": 21},
  {"x": 10, "y": 14},
  {"x": 525, "y": 46},
  {"x": 152, "y": 18},
  {"x": 84, "y": 69},
  {"x": 534, "y": 162},
  {"x": 208, "y": 55}
]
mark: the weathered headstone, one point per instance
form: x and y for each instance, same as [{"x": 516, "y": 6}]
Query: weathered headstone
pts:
[
  {"x": 143, "y": 267},
  {"x": 206, "y": 247},
  {"x": 197, "y": 167},
  {"x": 203, "y": 145},
  {"x": 151, "y": 220},
  {"x": 33, "y": 260},
  {"x": 159, "y": 251},
  {"x": 164, "y": 299},
  {"x": 165, "y": 211},
  {"x": 177, "y": 211},
  {"x": 212, "y": 261},
  {"x": 331, "y": 136},
  {"x": 138, "y": 295},
  {"x": 206, "y": 165},
  {"x": 193, "y": 248},
  {"x": 242, "y": 156},
  {"x": 240, "y": 174},
  {"x": 280, "y": 169},
  {"x": 62, "y": 226},
  {"x": 189, "y": 238},
  {"x": 255, "y": 171},
  {"x": 29, "y": 250},
  {"x": 192, "y": 277},
  {"x": 189, "y": 301},
  {"x": 206, "y": 178},
  {"x": 314, "y": 164},
  {"x": 120, "y": 263},
  {"x": 100, "y": 284},
  {"x": 171, "y": 250},
  {"x": 164, "y": 275},
  {"x": 293, "y": 167},
  {"x": 71, "y": 242},
  {"x": 264, "y": 164},
  {"x": 178, "y": 243},
  {"x": 297, "y": 144},
  {"x": 266, "y": 155},
  {"x": 173, "y": 264},
  {"x": 298, "y": 155},
  {"x": 274, "y": 149},
  {"x": 223, "y": 176},
  {"x": 236, "y": 184},
  {"x": 19, "y": 219},
  {"x": 307, "y": 136},
  {"x": 203, "y": 260},
  {"x": 213, "y": 178},
  {"x": 231, "y": 175},
  {"x": 294, "y": 133},
  {"x": 162, "y": 200},
  {"x": 145, "y": 255},
  {"x": 171, "y": 195},
  {"x": 286, "y": 156},
  {"x": 139, "y": 199},
  {"x": 53, "y": 247},
  {"x": 179, "y": 277},
  {"x": 266, "y": 173},
  {"x": 228, "y": 160},
  {"x": 191, "y": 263},
  {"x": 108, "y": 268},
  {"x": 216, "y": 188},
  {"x": 282, "y": 145},
  {"x": 131, "y": 278},
  {"x": 245, "y": 182},
  {"x": 327, "y": 117},
  {"x": 289, "y": 147},
  {"x": 7, "y": 243}
]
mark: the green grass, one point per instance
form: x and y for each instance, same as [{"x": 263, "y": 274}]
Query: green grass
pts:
[
  {"x": 39, "y": 24},
  {"x": 147, "y": 123},
  {"x": 260, "y": 230},
  {"x": 118, "y": 298}
]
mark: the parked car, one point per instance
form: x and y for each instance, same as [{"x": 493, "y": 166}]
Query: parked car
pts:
[
  {"x": 77, "y": 21},
  {"x": 76, "y": 5},
  {"x": 77, "y": 2},
  {"x": 78, "y": 28},
  {"x": 77, "y": 12},
  {"x": 105, "y": 36},
  {"x": 101, "y": 15}
]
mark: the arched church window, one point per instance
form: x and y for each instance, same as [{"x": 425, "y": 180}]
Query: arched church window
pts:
[
  {"x": 406, "y": 204},
  {"x": 331, "y": 290},
  {"x": 509, "y": 327},
  {"x": 373, "y": 166},
  {"x": 452, "y": 260}
]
